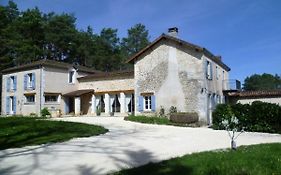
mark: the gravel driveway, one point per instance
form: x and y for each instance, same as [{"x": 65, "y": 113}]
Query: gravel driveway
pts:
[{"x": 127, "y": 144}]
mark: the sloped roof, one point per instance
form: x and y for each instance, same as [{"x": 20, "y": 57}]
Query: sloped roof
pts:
[
  {"x": 262, "y": 93},
  {"x": 109, "y": 75},
  {"x": 50, "y": 63},
  {"x": 216, "y": 59}
]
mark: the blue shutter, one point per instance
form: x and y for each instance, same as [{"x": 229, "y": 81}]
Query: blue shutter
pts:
[
  {"x": 33, "y": 80},
  {"x": 7, "y": 105},
  {"x": 8, "y": 84},
  {"x": 25, "y": 81},
  {"x": 14, "y": 104},
  {"x": 140, "y": 103},
  {"x": 15, "y": 83},
  {"x": 66, "y": 105},
  {"x": 153, "y": 103},
  {"x": 211, "y": 71},
  {"x": 206, "y": 69}
]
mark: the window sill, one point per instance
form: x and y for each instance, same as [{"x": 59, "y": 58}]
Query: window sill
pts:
[
  {"x": 52, "y": 103},
  {"x": 29, "y": 103}
]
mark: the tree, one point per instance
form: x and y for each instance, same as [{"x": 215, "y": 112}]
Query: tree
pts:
[
  {"x": 136, "y": 40},
  {"x": 262, "y": 82},
  {"x": 108, "y": 50}
]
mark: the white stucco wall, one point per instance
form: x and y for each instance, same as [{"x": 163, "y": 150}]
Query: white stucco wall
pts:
[
  {"x": 276, "y": 100},
  {"x": 22, "y": 107}
]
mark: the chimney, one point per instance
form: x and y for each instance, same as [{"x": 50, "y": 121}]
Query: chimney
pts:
[{"x": 173, "y": 32}]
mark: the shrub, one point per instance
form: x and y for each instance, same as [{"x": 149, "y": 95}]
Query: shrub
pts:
[
  {"x": 187, "y": 117},
  {"x": 258, "y": 117},
  {"x": 173, "y": 109},
  {"x": 45, "y": 112},
  {"x": 162, "y": 111}
]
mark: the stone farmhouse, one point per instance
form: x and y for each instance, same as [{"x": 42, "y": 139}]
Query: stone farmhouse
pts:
[{"x": 168, "y": 72}]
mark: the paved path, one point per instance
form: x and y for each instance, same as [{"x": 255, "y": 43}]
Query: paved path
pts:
[{"x": 127, "y": 144}]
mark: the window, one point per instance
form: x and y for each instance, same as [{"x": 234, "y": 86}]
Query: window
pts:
[
  {"x": 30, "y": 98},
  {"x": 209, "y": 72},
  {"x": 11, "y": 103},
  {"x": 29, "y": 81},
  {"x": 12, "y": 79},
  {"x": 71, "y": 77},
  {"x": 11, "y": 83},
  {"x": 217, "y": 72},
  {"x": 147, "y": 103},
  {"x": 51, "y": 98}
]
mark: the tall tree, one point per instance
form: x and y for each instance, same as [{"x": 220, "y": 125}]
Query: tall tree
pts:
[
  {"x": 107, "y": 50},
  {"x": 136, "y": 40},
  {"x": 60, "y": 37},
  {"x": 262, "y": 82}
]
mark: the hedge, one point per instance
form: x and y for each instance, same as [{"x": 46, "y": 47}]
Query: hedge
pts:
[{"x": 257, "y": 117}]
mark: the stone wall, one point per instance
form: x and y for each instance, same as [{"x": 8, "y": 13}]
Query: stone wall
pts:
[{"x": 176, "y": 76}]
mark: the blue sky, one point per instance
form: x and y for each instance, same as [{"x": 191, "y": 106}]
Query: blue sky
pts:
[{"x": 246, "y": 33}]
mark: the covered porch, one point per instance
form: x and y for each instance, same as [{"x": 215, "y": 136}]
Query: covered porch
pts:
[{"x": 96, "y": 103}]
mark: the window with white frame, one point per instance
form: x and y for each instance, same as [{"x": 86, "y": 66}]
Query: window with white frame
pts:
[
  {"x": 30, "y": 98},
  {"x": 71, "y": 76},
  {"x": 147, "y": 103},
  {"x": 51, "y": 98}
]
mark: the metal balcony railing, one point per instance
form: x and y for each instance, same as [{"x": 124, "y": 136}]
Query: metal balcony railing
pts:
[{"x": 231, "y": 84}]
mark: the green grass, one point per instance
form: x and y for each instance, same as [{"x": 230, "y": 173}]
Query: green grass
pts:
[
  {"x": 24, "y": 131},
  {"x": 149, "y": 120},
  {"x": 247, "y": 160}
]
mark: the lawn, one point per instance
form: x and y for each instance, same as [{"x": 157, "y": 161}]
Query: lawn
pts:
[
  {"x": 24, "y": 131},
  {"x": 256, "y": 160}
]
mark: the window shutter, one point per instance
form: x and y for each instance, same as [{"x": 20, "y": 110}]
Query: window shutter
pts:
[
  {"x": 8, "y": 84},
  {"x": 33, "y": 80},
  {"x": 140, "y": 103},
  {"x": 15, "y": 83},
  {"x": 153, "y": 103},
  {"x": 211, "y": 71},
  {"x": 7, "y": 105},
  {"x": 66, "y": 105},
  {"x": 206, "y": 69},
  {"x": 14, "y": 104},
  {"x": 25, "y": 82}
]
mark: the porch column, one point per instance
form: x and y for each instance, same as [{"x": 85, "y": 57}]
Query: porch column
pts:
[
  {"x": 122, "y": 103},
  {"x": 94, "y": 108},
  {"x": 77, "y": 103},
  {"x": 107, "y": 104}
]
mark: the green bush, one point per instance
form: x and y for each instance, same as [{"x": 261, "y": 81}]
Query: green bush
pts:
[
  {"x": 45, "y": 112},
  {"x": 257, "y": 117}
]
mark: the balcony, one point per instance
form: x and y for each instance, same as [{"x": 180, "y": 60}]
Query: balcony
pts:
[{"x": 231, "y": 84}]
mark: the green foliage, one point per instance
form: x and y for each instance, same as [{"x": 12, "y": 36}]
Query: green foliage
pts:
[
  {"x": 137, "y": 39},
  {"x": 44, "y": 112},
  {"x": 23, "y": 131},
  {"x": 261, "y": 159},
  {"x": 32, "y": 35},
  {"x": 149, "y": 120},
  {"x": 173, "y": 109},
  {"x": 258, "y": 117},
  {"x": 162, "y": 111},
  {"x": 262, "y": 82}
]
